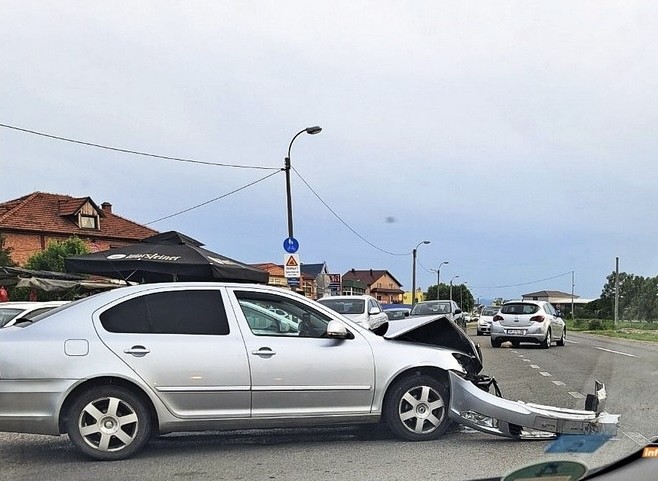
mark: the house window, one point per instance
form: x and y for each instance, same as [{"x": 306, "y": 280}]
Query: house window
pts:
[{"x": 88, "y": 221}]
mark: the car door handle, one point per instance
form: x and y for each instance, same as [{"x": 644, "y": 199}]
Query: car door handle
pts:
[
  {"x": 137, "y": 351},
  {"x": 264, "y": 352}
]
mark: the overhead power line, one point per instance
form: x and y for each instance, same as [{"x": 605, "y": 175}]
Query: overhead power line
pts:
[
  {"x": 136, "y": 152},
  {"x": 213, "y": 200},
  {"x": 523, "y": 283},
  {"x": 345, "y": 223}
]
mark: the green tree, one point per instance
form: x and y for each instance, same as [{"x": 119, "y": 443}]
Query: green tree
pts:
[
  {"x": 52, "y": 258},
  {"x": 460, "y": 294},
  {"x": 5, "y": 254}
]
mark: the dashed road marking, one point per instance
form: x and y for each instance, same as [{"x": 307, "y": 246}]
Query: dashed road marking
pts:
[
  {"x": 534, "y": 366},
  {"x": 545, "y": 374},
  {"x": 637, "y": 438},
  {"x": 615, "y": 352},
  {"x": 558, "y": 383},
  {"x": 526, "y": 360},
  {"x": 577, "y": 395},
  {"x": 520, "y": 355},
  {"x": 572, "y": 342}
]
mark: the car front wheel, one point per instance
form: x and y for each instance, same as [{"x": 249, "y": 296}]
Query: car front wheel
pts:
[
  {"x": 417, "y": 408},
  {"x": 109, "y": 423}
]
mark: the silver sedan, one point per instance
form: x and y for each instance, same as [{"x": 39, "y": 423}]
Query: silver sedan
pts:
[{"x": 118, "y": 367}]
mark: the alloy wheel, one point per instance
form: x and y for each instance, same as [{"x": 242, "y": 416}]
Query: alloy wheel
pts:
[
  {"x": 108, "y": 424},
  {"x": 421, "y": 409}
]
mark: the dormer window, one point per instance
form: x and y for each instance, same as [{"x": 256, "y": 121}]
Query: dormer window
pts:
[{"x": 88, "y": 221}]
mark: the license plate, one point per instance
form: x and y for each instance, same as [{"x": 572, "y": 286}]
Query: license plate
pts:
[{"x": 516, "y": 331}]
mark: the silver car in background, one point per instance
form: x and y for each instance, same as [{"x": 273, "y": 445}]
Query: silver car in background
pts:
[{"x": 528, "y": 321}]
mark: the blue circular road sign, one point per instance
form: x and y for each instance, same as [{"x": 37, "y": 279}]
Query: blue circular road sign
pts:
[{"x": 290, "y": 245}]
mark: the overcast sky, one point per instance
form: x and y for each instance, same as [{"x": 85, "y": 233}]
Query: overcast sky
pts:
[{"x": 520, "y": 138}]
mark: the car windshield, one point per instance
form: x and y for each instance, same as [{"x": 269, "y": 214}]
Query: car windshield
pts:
[
  {"x": 7, "y": 314},
  {"x": 429, "y": 308},
  {"x": 345, "y": 306},
  {"x": 490, "y": 311}
]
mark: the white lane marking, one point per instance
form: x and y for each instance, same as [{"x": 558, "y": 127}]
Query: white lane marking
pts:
[
  {"x": 526, "y": 360},
  {"x": 572, "y": 342},
  {"x": 577, "y": 395},
  {"x": 615, "y": 352},
  {"x": 534, "y": 366},
  {"x": 558, "y": 383},
  {"x": 636, "y": 438},
  {"x": 545, "y": 374},
  {"x": 512, "y": 350},
  {"x": 520, "y": 355}
]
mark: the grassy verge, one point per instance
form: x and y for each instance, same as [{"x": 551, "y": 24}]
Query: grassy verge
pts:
[{"x": 640, "y": 331}]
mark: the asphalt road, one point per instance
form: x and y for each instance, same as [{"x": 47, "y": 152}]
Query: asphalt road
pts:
[{"x": 559, "y": 376}]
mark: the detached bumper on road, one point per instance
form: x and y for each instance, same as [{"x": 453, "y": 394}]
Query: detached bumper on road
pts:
[{"x": 480, "y": 410}]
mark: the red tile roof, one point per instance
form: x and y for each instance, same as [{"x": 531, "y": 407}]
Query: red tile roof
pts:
[
  {"x": 53, "y": 213},
  {"x": 368, "y": 277}
]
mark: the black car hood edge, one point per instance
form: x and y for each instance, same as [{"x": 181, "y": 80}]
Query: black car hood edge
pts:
[{"x": 436, "y": 331}]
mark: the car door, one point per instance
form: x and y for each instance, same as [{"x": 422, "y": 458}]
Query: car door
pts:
[
  {"x": 379, "y": 317},
  {"x": 180, "y": 342},
  {"x": 557, "y": 324},
  {"x": 298, "y": 372}
]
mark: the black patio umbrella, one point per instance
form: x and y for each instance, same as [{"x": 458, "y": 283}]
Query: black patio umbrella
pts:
[{"x": 170, "y": 256}]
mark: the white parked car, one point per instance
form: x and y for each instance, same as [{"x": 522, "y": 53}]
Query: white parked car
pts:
[
  {"x": 364, "y": 310},
  {"x": 485, "y": 319},
  {"x": 11, "y": 312}
]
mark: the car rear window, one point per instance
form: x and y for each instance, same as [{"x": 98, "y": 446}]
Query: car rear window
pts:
[
  {"x": 175, "y": 312},
  {"x": 490, "y": 311},
  {"x": 519, "y": 308}
]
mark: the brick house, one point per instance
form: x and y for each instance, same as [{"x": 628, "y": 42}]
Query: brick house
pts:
[
  {"x": 378, "y": 283},
  {"x": 30, "y": 222},
  {"x": 275, "y": 271}
]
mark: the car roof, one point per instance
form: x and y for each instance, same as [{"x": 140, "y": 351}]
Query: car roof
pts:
[
  {"x": 31, "y": 304},
  {"x": 346, "y": 297}
]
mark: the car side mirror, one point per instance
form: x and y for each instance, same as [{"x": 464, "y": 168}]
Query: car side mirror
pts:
[
  {"x": 406, "y": 313},
  {"x": 458, "y": 311},
  {"x": 337, "y": 330},
  {"x": 373, "y": 311}
]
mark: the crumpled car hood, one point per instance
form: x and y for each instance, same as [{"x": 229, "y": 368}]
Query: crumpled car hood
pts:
[{"x": 436, "y": 331}]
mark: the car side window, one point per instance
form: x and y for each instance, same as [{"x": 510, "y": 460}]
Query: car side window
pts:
[
  {"x": 272, "y": 315},
  {"x": 198, "y": 312}
]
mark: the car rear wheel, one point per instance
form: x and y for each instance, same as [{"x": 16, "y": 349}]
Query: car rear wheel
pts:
[
  {"x": 546, "y": 343},
  {"x": 495, "y": 343},
  {"x": 417, "y": 408},
  {"x": 563, "y": 338},
  {"x": 109, "y": 423},
  {"x": 478, "y": 332}
]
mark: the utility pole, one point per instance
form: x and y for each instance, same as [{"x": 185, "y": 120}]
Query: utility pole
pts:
[
  {"x": 616, "y": 319},
  {"x": 572, "y": 288}
]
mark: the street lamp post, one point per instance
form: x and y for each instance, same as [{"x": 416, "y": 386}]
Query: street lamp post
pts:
[
  {"x": 454, "y": 277},
  {"x": 438, "y": 279},
  {"x": 413, "y": 271},
  {"x": 286, "y": 168},
  {"x": 461, "y": 295}
]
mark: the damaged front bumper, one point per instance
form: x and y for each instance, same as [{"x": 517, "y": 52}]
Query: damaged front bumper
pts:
[{"x": 476, "y": 408}]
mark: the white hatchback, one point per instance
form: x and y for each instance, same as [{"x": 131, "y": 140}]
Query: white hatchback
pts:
[{"x": 364, "y": 310}]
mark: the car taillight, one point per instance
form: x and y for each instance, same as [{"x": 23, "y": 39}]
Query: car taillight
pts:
[
  {"x": 498, "y": 317},
  {"x": 537, "y": 319}
]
